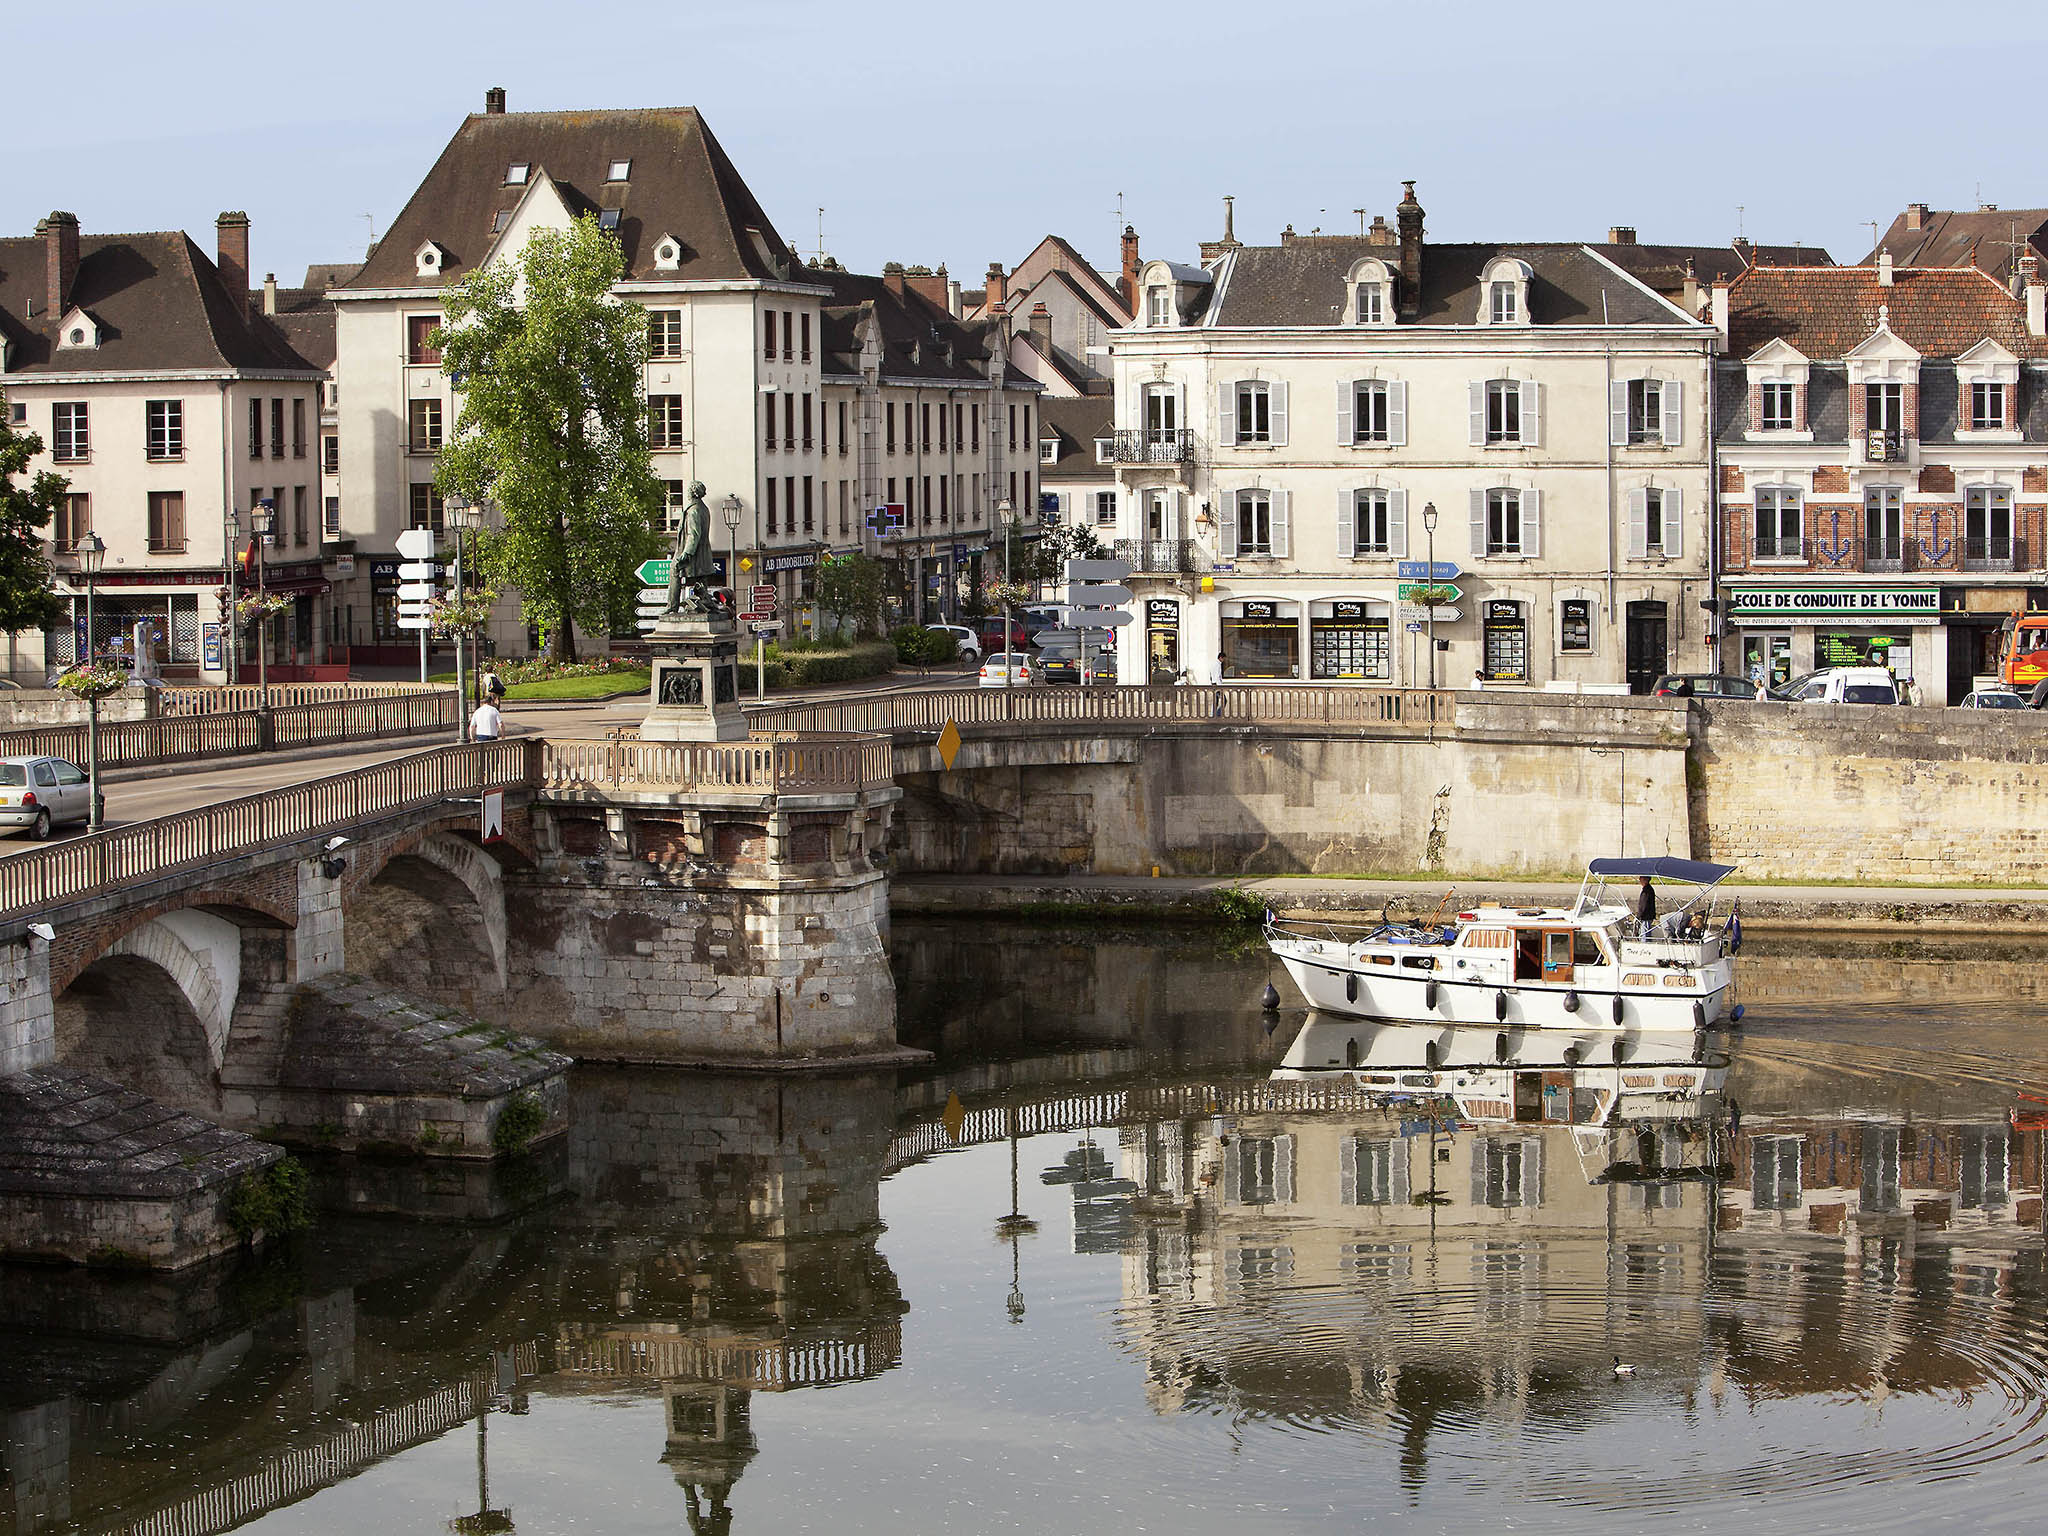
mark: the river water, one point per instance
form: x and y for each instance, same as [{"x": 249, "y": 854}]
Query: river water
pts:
[{"x": 1109, "y": 1263}]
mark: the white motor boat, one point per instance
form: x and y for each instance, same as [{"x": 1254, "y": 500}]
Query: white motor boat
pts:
[{"x": 1595, "y": 965}]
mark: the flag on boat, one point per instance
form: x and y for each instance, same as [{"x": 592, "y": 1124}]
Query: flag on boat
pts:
[{"x": 1735, "y": 926}]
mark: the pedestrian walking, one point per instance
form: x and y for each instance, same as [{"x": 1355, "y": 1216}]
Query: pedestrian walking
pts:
[
  {"x": 492, "y": 686},
  {"x": 486, "y": 724},
  {"x": 1216, "y": 709}
]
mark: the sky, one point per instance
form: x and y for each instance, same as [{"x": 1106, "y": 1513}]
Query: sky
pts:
[{"x": 960, "y": 135}]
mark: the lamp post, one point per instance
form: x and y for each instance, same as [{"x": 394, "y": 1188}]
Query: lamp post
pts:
[
  {"x": 730, "y": 510},
  {"x": 92, "y": 554},
  {"x": 233, "y": 544},
  {"x": 1429, "y": 578},
  {"x": 1009, "y": 513},
  {"x": 461, "y": 515},
  {"x": 261, "y": 518}
]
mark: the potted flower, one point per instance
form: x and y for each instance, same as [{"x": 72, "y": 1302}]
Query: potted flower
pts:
[{"x": 94, "y": 681}]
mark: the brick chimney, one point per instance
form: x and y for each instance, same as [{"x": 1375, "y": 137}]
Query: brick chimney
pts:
[
  {"x": 1916, "y": 215},
  {"x": 1041, "y": 329},
  {"x": 1408, "y": 216},
  {"x": 1129, "y": 284},
  {"x": 998, "y": 286},
  {"x": 60, "y": 257},
  {"x": 494, "y": 101},
  {"x": 231, "y": 246},
  {"x": 1381, "y": 233},
  {"x": 1621, "y": 234},
  {"x": 2036, "y": 294},
  {"x": 927, "y": 282}
]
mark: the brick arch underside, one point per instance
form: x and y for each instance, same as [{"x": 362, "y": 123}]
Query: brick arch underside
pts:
[
  {"x": 152, "y": 1014},
  {"x": 431, "y": 923}
]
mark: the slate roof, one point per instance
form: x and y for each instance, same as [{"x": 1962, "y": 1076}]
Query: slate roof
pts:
[
  {"x": 915, "y": 332},
  {"x": 1301, "y": 283},
  {"x": 1981, "y": 239},
  {"x": 159, "y": 301},
  {"x": 680, "y": 184},
  {"x": 1663, "y": 266},
  {"x": 322, "y": 275},
  {"x": 1826, "y": 312},
  {"x": 305, "y": 320},
  {"x": 1076, "y": 424},
  {"x": 1060, "y": 364},
  {"x": 1827, "y": 403}
]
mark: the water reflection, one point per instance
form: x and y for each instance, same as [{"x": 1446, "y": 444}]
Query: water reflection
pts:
[{"x": 1124, "y": 1224}]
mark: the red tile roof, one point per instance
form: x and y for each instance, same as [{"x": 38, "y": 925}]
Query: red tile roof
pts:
[{"x": 1827, "y": 312}]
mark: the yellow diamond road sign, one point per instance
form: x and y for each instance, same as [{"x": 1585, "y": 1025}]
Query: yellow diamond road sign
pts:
[{"x": 949, "y": 744}]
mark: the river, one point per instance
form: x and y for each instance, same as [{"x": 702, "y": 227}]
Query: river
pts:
[{"x": 1107, "y": 1263}]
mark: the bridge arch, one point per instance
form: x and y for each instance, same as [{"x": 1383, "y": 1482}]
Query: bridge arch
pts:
[{"x": 431, "y": 917}]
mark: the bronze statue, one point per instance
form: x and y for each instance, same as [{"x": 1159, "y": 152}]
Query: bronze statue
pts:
[{"x": 690, "y": 567}]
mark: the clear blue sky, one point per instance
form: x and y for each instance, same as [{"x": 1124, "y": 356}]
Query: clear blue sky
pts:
[{"x": 960, "y": 134}]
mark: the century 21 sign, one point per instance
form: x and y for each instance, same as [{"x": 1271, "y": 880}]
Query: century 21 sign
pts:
[{"x": 1842, "y": 600}]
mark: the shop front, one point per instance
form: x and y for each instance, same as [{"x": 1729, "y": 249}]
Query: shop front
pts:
[
  {"x": 1348, "y": 642},
  {"x": 1504, "y": 641},
  {"x": 1261, "y": 639},
  {"x": 1163, "y": 662},
  {"x": 1785, "y": 631}
]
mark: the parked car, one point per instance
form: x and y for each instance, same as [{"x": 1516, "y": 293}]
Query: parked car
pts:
[
  {"x": 1841, "y": 685},
  {"x": 40, "y": 792},
  {"x": 963, "y": 637},
  {"x": 1040, "y": 616},
  {"x": 1063, "y": 665},
  {"x": 989, "y": 632},
  {"x": 1702, "y": 685},
  {"x": 1994, "y": 698},
  {"x": 1022, "y": 672}
]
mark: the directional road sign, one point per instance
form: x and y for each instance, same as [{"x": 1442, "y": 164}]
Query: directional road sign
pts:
[
  {"x": 761, "y": 599},
  {"x": 1422, "y": 570},
  {"x": 1423, "y": 616},
  {"x": 654, "y": 573},
  {"x": 416, "y": 544},
  {"x": 1408, "y": 591},
  {"x": 419, "y": 570},
  {"x": 771, "y": 627},
  {"x": 1416, "y": 626},
  {"x": 1096, "y": 618},
  {"x": 415, "y": 591},
  {"x": 414, "y": 621},
  {"x": 1098, "y": 570}
]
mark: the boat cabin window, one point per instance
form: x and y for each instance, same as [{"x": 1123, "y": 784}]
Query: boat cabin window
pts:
[
  {"x": 1586, "y": 948},
  {"x": 1488, "y": 938}
]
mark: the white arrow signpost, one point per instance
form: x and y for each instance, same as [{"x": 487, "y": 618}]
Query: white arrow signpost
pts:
[
  {"x": 1094, "y": 603},
  {"x": 416, "y": 586}
]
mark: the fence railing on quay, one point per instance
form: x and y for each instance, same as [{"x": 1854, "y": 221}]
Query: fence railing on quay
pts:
[
  {"x": 179, "y": 701},
  {"x": 38, "y": 879},
  {"x": 1390, "y": 709},
  {"x": 776, "y": 764},
  {"x": 180, "y": 738}
]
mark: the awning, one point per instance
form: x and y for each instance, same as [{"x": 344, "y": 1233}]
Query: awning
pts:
[
  {"x": 1664, "y": 869},
  {"x": 307, "y": 586}
]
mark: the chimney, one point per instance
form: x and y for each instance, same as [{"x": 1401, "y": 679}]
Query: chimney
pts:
[
  {"x": 1131, "y": 265},
  {"x": 1230, "y": 221},
  {"x": 1689, "y": 292},
  {"x": 1621, "y": 234},
  {"x": 270, "y": 293},
  {"x": 927, "y": 282},
  {"x": 2037, "y": 295},
  {"x": 60, "y": 257},
  {"x": 1721, "y": 309},
  {"x": 1916, "y": 215},
  {"x": 232, "y": 254},
  {"x": 1381, "y": 233},
  {"x": 1041, "y": 329},
  {"x": 1884, "y": 269},
  {"x": 494, "y": 101},
  {"x": 953, "y": 306},
  {"x": 1744, "y": 251},
  {"x": 998, "y": 286},
  {"x": 1408, "y": 216}
]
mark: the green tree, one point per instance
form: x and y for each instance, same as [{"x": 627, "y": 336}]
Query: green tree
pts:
[
  {"x": 851, "y": 588},
  {"x": 26, "y": 601},
  {"x": 1045, "y": 557},
  {"x": 553, "y": 429}
]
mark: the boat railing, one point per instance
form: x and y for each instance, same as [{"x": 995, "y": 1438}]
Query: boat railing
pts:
[
  {"x": 1337, "y": 932},
  {"x": 1687, "y": 952}
]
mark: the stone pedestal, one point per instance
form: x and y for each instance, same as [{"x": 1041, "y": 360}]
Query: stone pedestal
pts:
[{"x": 695, "y": 691}]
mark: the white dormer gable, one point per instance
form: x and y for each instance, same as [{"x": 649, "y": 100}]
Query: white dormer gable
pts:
[
  {"x": 668, "y": 253},
  {"x": 79, "y": 330},
  {"x": 1504, "y": 292},
  {"x": 540, "y": 206},
  {"x": 1369, "y": 293},
  {"x": 1990, "y": 362},
  {"x": 1777, "y": 361},
  {"x": 1158, "y": 302},
  {"x": 1883, "y": 358},
  {"x": 430, "y": 259}
]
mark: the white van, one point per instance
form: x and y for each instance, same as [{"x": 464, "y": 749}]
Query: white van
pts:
[{"x": 1843, "y": 685}]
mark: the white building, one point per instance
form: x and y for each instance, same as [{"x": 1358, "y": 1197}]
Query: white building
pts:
[
  {"x": 166, "y": 399},
  {"x": 1290, "y": 418}
]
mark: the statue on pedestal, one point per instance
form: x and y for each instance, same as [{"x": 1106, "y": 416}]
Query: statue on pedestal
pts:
[{"x": 690, "y": 567}]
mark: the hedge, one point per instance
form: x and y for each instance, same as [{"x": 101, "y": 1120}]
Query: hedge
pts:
[{"x": 810, "y": 668}]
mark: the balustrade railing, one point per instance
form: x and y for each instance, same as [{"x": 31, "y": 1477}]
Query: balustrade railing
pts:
[
  {"x": 1152, "y": 445},
  {"x": 768, "y": 764},
  {"x": 226, "y": 699},
  {"x": 182, "y": 738},
  {"x": 1232, "y": 703},
  {"x": 40, "y": 878}
]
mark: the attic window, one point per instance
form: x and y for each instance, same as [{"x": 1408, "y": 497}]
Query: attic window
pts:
[
  {"x": 503, "y": 218},
  {"x": 77, "y": 336},
  {"x": 667, "y": 256},
  {"x": 516, "y": 173},
  {"x": 619, "y": 170},
  {"x": 608, "y": 218}
]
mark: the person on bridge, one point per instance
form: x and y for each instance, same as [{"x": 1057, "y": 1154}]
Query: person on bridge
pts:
[{"x": 486, "y": 724}]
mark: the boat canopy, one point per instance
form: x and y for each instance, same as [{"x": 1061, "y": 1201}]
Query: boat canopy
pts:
[{"x": 1664, "y": 869}]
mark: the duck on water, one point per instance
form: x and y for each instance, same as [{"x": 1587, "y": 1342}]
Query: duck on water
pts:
[{"x": 1597, "y": 964}]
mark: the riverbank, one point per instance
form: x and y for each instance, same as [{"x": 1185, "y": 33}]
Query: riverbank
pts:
[{"x": 1873, "y": 909}]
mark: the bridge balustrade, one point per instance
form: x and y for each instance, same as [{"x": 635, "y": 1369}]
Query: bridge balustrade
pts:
[
  {"x": 184, "y": 737},
  {"x": 776, "y": 764},
  {"x": 1233, "y": 703},
  {"x": 231, "y": 698}
]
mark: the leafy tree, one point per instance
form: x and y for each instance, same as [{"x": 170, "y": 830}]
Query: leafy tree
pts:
[
  {"x": 553, "y": 429},
  {"x": 852, "y": 588},
  {"x": 1045, "y": 557},
  {"x": 26, "y": 601}
]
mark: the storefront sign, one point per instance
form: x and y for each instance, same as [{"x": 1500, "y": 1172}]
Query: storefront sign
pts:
[
  {"x": 800, "y": 562},
  {"x": 1260, "y": 611},
  {"x": 384, "y": 573},
  {"x": 1829, "y": 605},
  {"x": 1162, "y": 613},
  {"x": 1344, "y": 610}
]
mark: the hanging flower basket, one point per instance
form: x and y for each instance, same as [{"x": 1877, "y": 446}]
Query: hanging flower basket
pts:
[
  {"x": 464, "y": 614},
  {"x": 997, "y": 593},
  {"x": 96, "y": 681},
  {"x": 261, "y": 605},
  {"x": 1434, "y": 597}
]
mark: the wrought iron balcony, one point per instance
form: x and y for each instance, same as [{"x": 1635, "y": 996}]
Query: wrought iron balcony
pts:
[
  {"x": 1789, "y": 547},
  {"x": 1883, "y": 445},
  {"x": 1843, "y": 554},
  {"x": 1166, "y": 557},
  {"x": 1153, "y": 445},
  {"x": 1994, "y": 553}
]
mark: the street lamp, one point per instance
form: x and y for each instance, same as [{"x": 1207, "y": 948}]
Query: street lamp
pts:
[
  {"x": 730, "y": 510},
  {"x": 91, "y": 550},
  {"x": 233, "y": 544},
  {"x": 261, "y": 518},
  {"x": 1429, "y": 580},
  {"x": 462, "y": 516},
  {"x": 1009, "y": 515}
]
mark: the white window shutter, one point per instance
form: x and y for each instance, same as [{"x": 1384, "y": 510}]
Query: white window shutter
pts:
[
  {"x": 1278, "y": 504},
  {"x": 1478, "y": 522},
  {"x": 1638, "y": 524},
  {"x": 1617, "y": 413},
  {"x": 1397, "y": 413},
  {"x": 1674, "y": 522},
  {"x": 1226, "y": 533},
  {"x": 1283, "y": 1170},
  {"x": 1276, "y": 400},
  {"x": 1171, "y": 517},
  {"x": 1532, "y": 523},
  {"x": 1477, "y": 390},
  {"x": 1532, "y": 413},
  {"x": 1180, "y": 409},
  {"x": 1397, "y": 524},
  {"x": 1347, "y": 523},
  {"x": 1226, "y": 415},
  {"x": 1673, "y": 395},
  {"x": 1346, "y": 389},
  {"x": 1347, "y": 1171}
]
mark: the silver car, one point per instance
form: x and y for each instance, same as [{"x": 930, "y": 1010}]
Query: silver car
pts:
[{"x": 39, "y": 792}]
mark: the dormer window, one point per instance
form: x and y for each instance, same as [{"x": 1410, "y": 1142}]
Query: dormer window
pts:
[
  {"x": 1159, "y": 305},
  {"x": 1502, "y": 308},
  {"x": 608, "y": 218},
  {"x": 1777, "y": 391},
  {"x": 667, "y": 254},
  {"x": 429, "y": 260},
  {"x": 1987, "y": 407},
  {"x": 1989, "y": 376},
  {"x": 1371, "y": 293},
  {"x": 517, "y": 172},
  {"x": 1371, "y": 308},
  {"x": 1778, "y": 409},
  {"x": 1504, "y": 292},
  {"x": 76, "y": 336},
  {"x": 618, "y": 170}
]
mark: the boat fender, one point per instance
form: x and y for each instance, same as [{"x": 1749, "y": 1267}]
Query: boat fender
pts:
[
  {"x": 1430, "y": 1053},
  {"x": 1571, "y": 1055},
  {"x": 1429, "y": 996},
  {"x": 1699, "y": 1016},
  {"x": 1735, "y": 1015},
  {"x": 1350, "y": 989},
  {"x": 1620, "y": 1052},
  {"x": 1500, "y": 1005},
  {"x": 1269, "y": 1000},
  {"x": 1500, "y": 1046},
  {"x": 1617, "y": 1007},
  {"x": 1571, "y": 1002}
]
